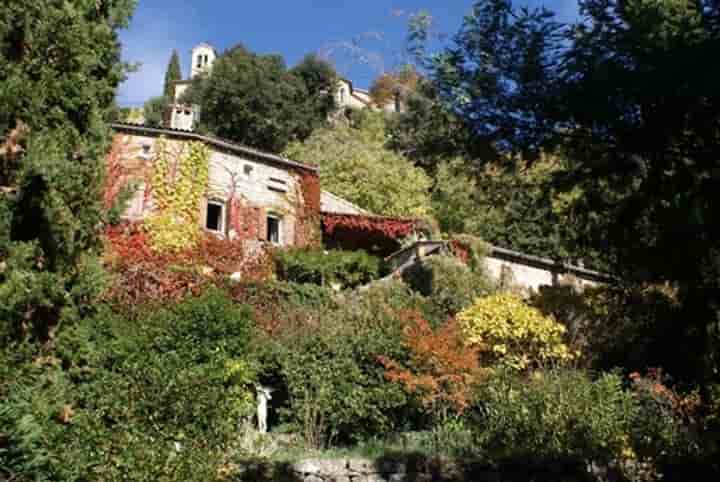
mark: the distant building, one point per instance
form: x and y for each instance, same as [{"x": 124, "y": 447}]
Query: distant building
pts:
[
  {"x": 181, "y": 115},
  {"x": 348, "y": 96}
]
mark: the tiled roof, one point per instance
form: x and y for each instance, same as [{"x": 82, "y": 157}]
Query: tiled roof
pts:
[{"x": 213, "y": 141}]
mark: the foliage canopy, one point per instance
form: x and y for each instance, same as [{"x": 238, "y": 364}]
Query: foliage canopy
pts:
[{"x": 356, "y": 165}]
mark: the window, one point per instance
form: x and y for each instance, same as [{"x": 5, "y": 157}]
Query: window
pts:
[
  {"x": 199, "y": 61},
  {"x": 146, "y": 151},
  {"x": 215, "y": 216},
  {"x": 342, "y": 96},
  {"x": 247, "y": 170},
  {"x": 274, "y": 234}
]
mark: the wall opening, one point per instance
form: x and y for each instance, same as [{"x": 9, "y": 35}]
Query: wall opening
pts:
[
  {"x": 215, "y": 217},
  {"x": 274, "y": 230}
]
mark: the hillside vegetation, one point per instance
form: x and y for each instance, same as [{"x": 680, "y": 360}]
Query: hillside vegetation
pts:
[{"x": 593, "y": 142}]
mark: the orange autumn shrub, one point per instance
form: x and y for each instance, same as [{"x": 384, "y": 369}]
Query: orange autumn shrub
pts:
[{"x": 441, "y": 369}]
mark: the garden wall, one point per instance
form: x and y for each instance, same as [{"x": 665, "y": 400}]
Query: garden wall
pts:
[
  {"x": 510, "y": 269},
  {"x": 417, "y": 468}
]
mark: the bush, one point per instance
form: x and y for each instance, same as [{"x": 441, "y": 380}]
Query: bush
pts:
[
  {"x": 346, "y": 268},
  {"x": 513, "y": 333},
  {"x": 629, "y": 327},
  {"x": 449, "y": 284},
  {"x": 279, "y": 305},
  {"x": 553, "y": 416},
  {"x": 159, "y": 399},
  {"x": 335, "y": 387},
  {"x": 441, "y": 370}
]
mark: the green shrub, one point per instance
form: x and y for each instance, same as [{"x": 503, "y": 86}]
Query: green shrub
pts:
[
  {"x": 346, "y": 268},
  {"x": 157, "y": 399},
  {"x": 555, "y": 415},
  {"x": 279, "y": 305},
  {"x": 337, "y": 392},
  {"x": 336, "y": 388},
  {"x": 449, "y": 284}
]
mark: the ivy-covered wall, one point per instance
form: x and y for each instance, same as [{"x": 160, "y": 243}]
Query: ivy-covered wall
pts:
[{"x": 174, "y": 179}]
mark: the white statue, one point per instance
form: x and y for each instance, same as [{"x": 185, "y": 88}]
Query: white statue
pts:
[{"x": 263, "y": 395}]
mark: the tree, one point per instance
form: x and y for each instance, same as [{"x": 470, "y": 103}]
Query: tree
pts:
[
  {"x": 60, "y": 70},
  {"x": 389, "y": 85},
  {"x": 172, "y": 74},
  {"x": 628, "y": 94},
  {"x": 320, "y": 81},
  {"x": 428, "y": 133},
  {"x": 356, "y": 165},
  {"x": 253, "y": 99},
  {"x": 154, "y": 111}
]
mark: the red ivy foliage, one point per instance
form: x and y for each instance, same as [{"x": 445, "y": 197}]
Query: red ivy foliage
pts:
[
  {"x": 247, "y": 221},
  {"x": 654, "y": 385},
  {"x": 393, "y": 228},
  {"x": 460, "y": 250},
  {"x": 144, "y": 275}
]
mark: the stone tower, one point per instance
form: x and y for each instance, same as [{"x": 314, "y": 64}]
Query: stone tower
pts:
[{"x": 203, "y": 56}]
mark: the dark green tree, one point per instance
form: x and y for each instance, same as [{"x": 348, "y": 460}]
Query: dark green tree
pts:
[
  {"x": 427, "y": 132},
  {"x": 629, "y": 93},
  {"x": 253, "y": 99},
  {"x": 59, "y": 69},
  {"x": 320, "y": 79},
  {"x": 172, "y": 74}
]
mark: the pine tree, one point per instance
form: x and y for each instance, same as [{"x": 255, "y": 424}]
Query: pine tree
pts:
[
  {"x": 60, "y": 67},
  {"x": 172, "y": 74}
]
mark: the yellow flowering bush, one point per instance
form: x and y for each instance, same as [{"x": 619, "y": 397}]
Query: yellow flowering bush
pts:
[
  {"x": 513, "y": 333},
  {"x": 179, "y": 183}
]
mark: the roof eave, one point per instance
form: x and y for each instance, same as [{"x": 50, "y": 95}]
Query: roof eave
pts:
[{"x": 215, "y": 141}]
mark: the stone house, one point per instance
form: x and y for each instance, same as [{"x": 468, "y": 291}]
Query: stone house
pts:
[
  {"x": 349, "y": 97},
  {"x": 250, "y": 195}
]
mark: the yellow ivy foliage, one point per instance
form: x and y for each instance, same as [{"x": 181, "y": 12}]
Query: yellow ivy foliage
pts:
[
  {"x": 179, "y": 182},
  {"x": 513, "y": 333}
]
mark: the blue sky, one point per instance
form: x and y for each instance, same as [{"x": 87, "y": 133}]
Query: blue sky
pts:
[{"x": 291, "y": 28}]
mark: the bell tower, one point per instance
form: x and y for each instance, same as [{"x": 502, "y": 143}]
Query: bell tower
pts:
[{"x": 203, "y": 56}]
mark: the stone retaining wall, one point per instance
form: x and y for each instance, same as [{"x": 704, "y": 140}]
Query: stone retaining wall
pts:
[{"x": 426, "y": 470}]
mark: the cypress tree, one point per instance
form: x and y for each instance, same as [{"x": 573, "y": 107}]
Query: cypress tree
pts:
[
  {"x": 60, "y": 66},
  {"x": 172, "y": 74}
]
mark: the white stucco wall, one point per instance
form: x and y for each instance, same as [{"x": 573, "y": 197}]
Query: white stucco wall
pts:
[
  {"x": 182, "y": 118},
  {"x": 180, "y": 89},
  {"x": 271, "y": 188},
  {"x": 526, "y": 278},
  {"x": 344, "y": 96}
]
